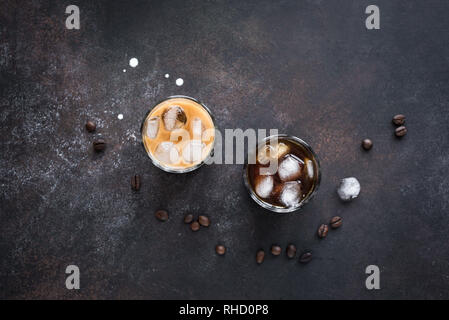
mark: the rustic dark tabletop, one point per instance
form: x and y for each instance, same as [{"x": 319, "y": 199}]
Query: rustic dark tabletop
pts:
[{"x": 308, "y": 68}]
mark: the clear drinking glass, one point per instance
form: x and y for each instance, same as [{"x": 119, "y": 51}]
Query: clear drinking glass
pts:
[
  {"x": 157, "y": 162},
  {"x": 316, "y": 174}
]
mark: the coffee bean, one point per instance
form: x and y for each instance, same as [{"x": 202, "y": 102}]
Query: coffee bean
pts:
[
  {"x": 161, "y": 215},
  {"x": 305, "y": 257},
  {"x": 188, "y": 218},
  {"x": 367, "y": 144},
  {"x": 99, "y": 145},
  {"x": 260, "y": 256},
  {"x": 276, "y": 250},
  {"x": 220, "y": 250},
  {"x": 195, "y": 226},
  {"x": 336, "y": 222},
  {"x": 399, "y": 119},
  {"x": 204, "y": 221},
  {"x": 291, "y": 251},
  {"x": 400, "y": 131},
  {"x": 90, "y": 126},
  {"x": 322, "y": 231},
  {"x": 135, "y": 182}
]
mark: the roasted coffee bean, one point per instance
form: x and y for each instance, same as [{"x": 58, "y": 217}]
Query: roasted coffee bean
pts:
[
  {"x": 400, "y": 131},
  {"x": 135, "y": 182},
  {"x": 220, "y": 250},
  {"x": 305, "y": 257},
  {"x": 399, "y": 119},
  {"x": 99, "y": 145},
  {"x": 161, "y": 215},
  {"x": 195, "y": 226},
  {"x": 188, "y": 218},
  {"x": 90, "y": 126},
  {"x": 367, "y": 144},
  {"x": 260, "y": 255},
  {"x": 276, "y": 250},
  {"x": 204, "y": 221},
  {"x": 291, "y": 251},
  {"x": 322, "y": 231},
  {"x": 336, "y": 222}
]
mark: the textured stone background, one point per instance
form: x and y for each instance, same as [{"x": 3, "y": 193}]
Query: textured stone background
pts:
[{"x": 308, "y": 68}]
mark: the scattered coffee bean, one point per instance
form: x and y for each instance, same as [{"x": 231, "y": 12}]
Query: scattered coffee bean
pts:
[
  {"x": 276, "y": 250},
  {"x": 90, "y": 126},
  {"x": 399, "y": 119},
  {"x": 204, "y": 221},
  {"x": 336, "y": 222},
  {"x": 161, "y": 215},
  {"x": 135, "y": 182},
  {"x": 367, "y": 144},
  {"x": 188, "y": 218},
  {"x": 220, "y": 250},
  {"x": 322, "y": 231},
  {"x": 99, "y": 145},
  {"x": 195, "y": 226},
  {"x": 400, "y": 131},
  {"x": 305, "y": 257},
  {"x": 260, "y": 255},
  {"x": 291, "y": 251}
]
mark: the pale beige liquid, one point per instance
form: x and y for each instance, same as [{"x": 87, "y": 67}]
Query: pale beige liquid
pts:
[{"x": 192, "y": 110}]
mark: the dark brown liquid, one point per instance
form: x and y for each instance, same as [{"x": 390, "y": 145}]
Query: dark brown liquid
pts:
[{"x": 307, "y": 179}]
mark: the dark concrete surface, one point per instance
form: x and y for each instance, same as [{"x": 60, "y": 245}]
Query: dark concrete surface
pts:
[{"x": 307, "y": 68}]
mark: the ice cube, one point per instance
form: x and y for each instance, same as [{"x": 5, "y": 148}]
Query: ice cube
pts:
[
  {"x": 167, "y": 153},
  {"x": 290, "y": 168},
  {"x": 174, "y": 117},
  {"x": 193, "y": 151},
  {"x": 263, "y": 156},
  {"x": 263, "y": 186},
  {"x": 152, "y": 127},
  {"x": 268, "y": 152},
  {"x": 291, "y": 193},
  {"x": 197, "y": 128},
  {"x": 310, "y": 168},
  {"x": 348, "y": 189},
  {"x": 281, "y": 150}
]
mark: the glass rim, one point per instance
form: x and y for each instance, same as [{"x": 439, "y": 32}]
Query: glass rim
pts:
[
  {"x": 156, "y": 162},
  {"x": 269, "y": 206}
]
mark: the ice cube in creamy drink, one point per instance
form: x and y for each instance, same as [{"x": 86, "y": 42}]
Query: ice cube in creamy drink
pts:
[{"x": 178, "y": 134}]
